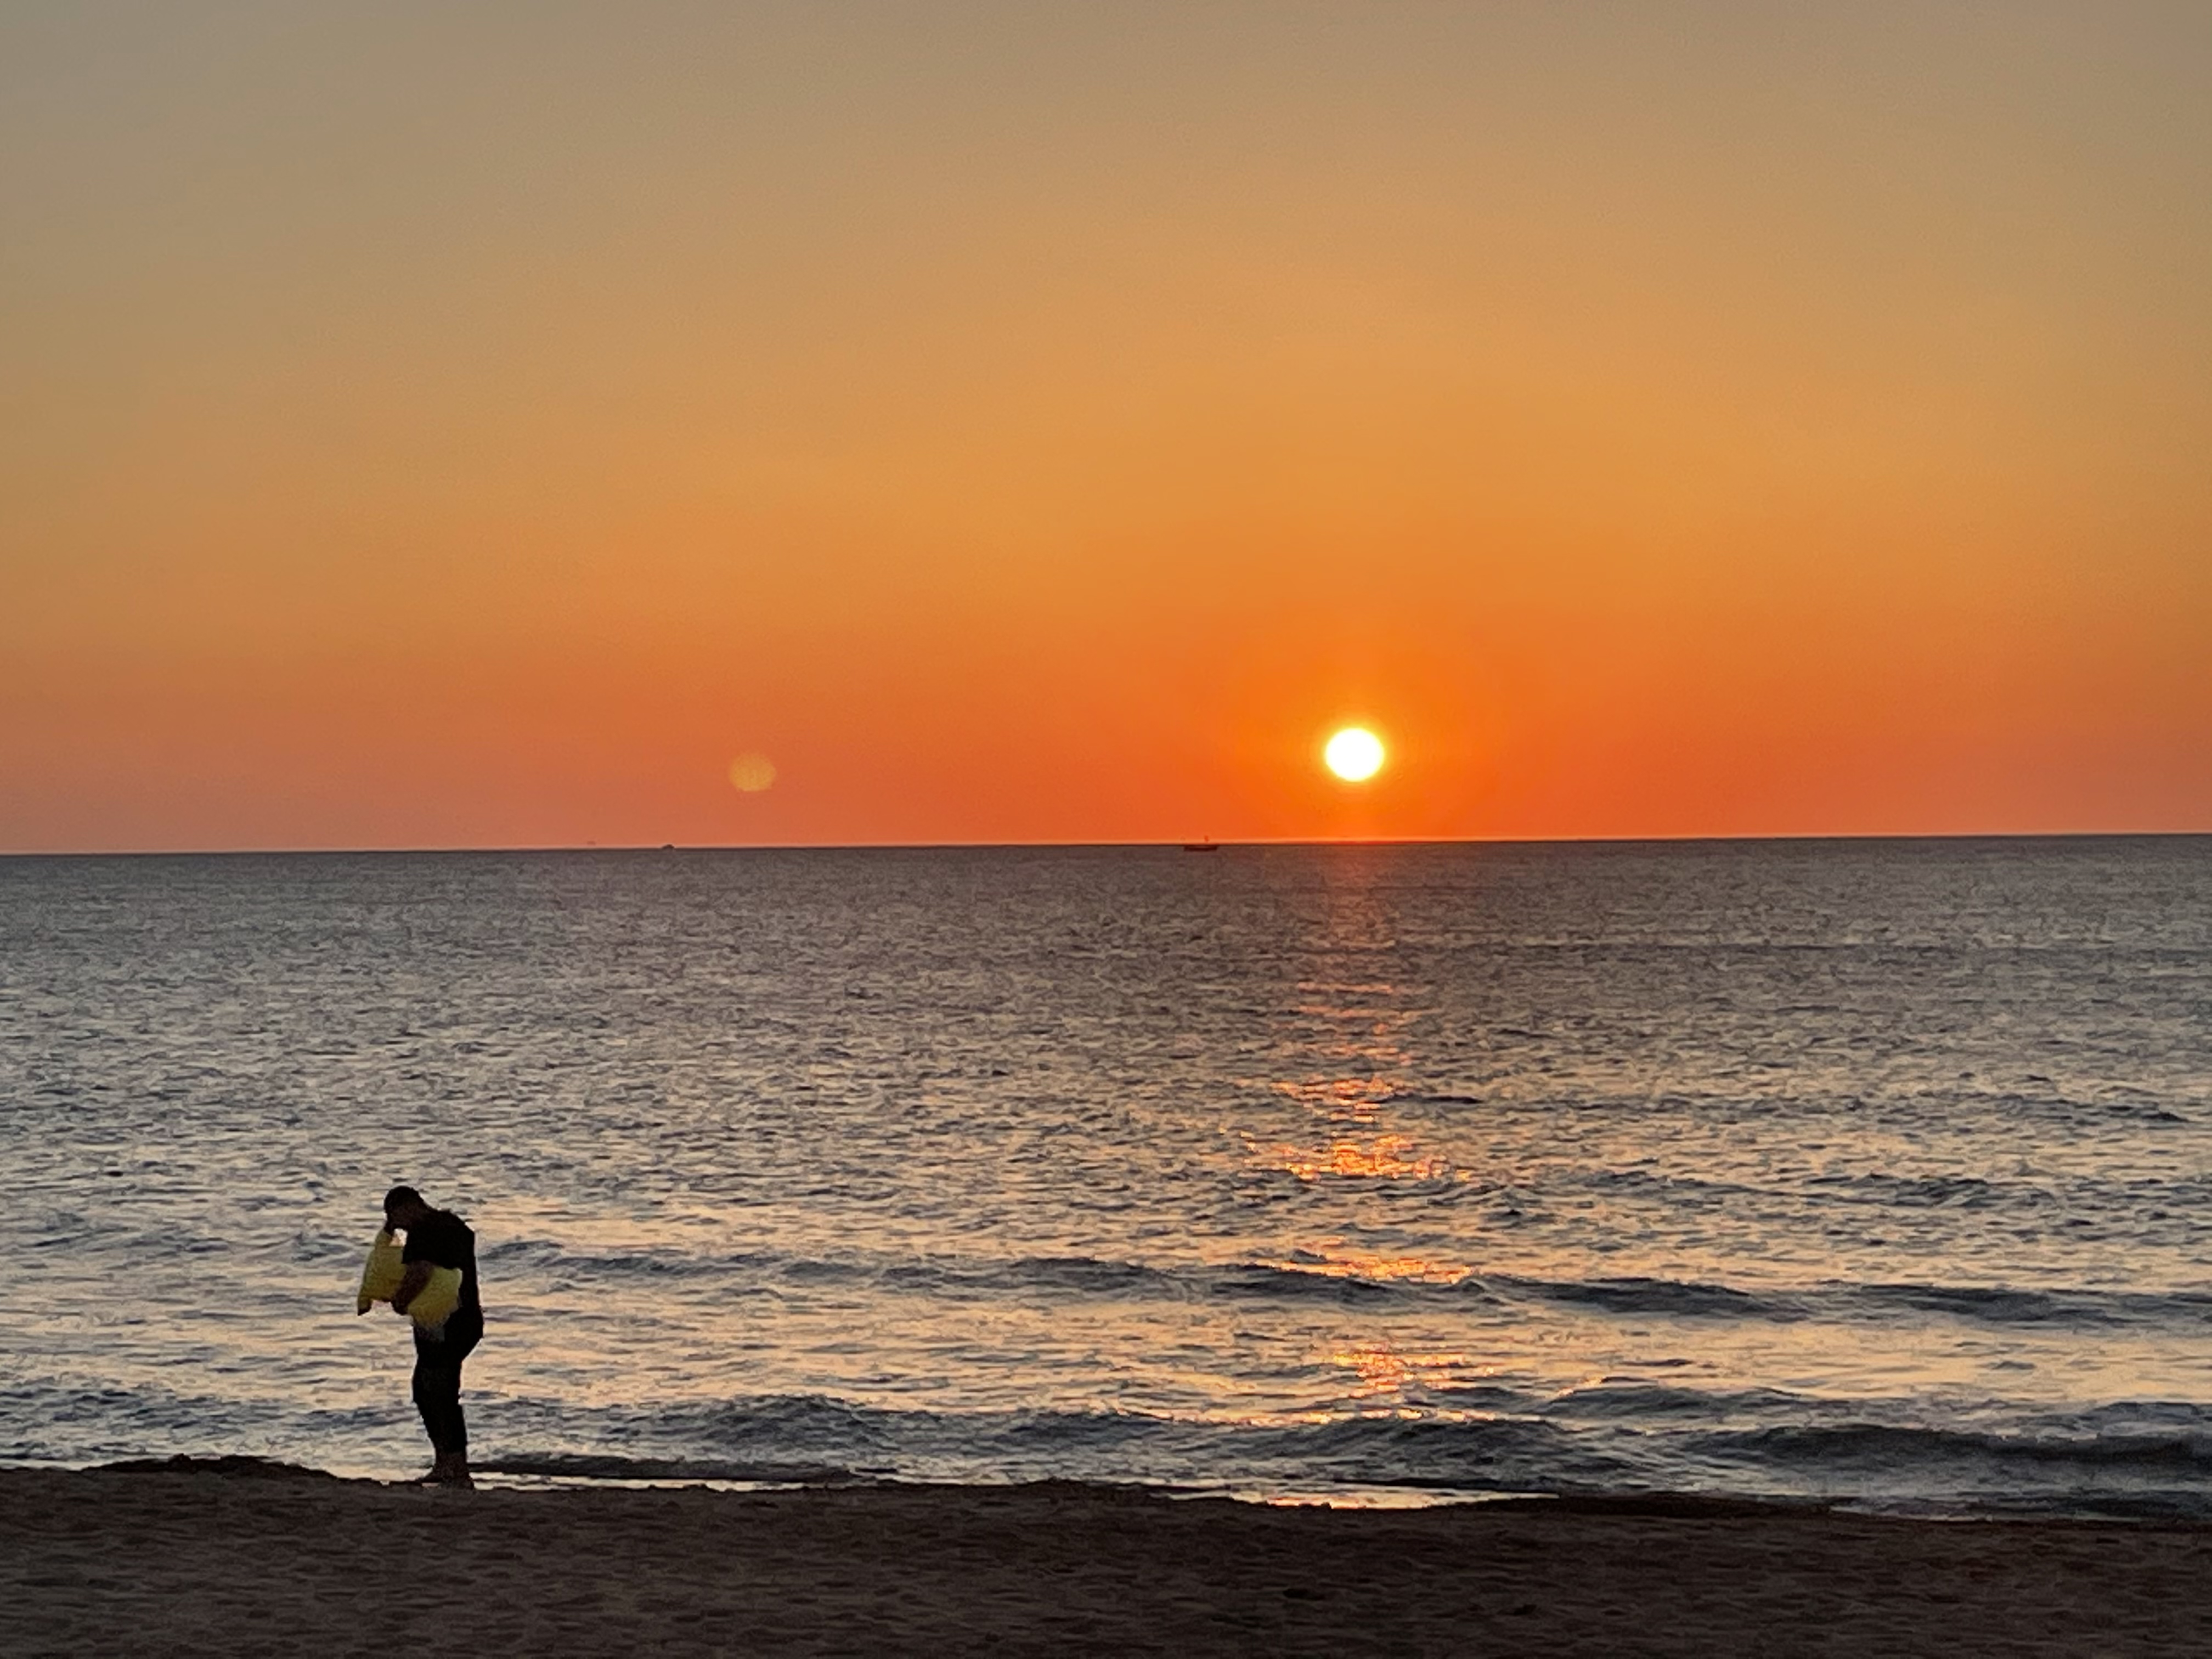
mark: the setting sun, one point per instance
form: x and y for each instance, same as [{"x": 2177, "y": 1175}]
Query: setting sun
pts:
[{"x": 1354, "y": 754}]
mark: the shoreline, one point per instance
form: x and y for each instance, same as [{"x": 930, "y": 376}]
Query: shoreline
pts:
[
  {"x": 237, "y": 1556},
  {"x": 564, "y": 1473}
]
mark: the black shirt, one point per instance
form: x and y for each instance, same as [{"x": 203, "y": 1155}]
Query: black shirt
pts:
[{"x": 443, "y": 1239}]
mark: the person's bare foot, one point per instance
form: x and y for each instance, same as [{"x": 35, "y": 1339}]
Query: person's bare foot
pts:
[{"x": 447, "y": 1471}]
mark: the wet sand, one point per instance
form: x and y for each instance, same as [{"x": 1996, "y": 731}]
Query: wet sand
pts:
[{"x": 250, "y": 1562}]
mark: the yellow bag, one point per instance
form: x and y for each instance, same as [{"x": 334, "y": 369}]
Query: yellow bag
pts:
[{"x": 380, "y": 1280}]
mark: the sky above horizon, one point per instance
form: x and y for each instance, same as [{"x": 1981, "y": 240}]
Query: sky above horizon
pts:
[{"x": 434, "y": 426}]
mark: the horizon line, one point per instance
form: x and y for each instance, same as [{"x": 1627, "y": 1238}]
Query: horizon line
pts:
[{"x": 1262, "y": 842}]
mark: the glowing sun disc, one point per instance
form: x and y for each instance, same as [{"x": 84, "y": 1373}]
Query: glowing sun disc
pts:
[{"x": 1354, "y": 754}]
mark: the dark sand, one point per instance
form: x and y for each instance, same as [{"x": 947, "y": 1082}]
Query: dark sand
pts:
[{"x": 244, "y": 1563}]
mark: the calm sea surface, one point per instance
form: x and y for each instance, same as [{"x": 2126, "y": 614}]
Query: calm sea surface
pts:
[{"x": 1880, "y": 1171}]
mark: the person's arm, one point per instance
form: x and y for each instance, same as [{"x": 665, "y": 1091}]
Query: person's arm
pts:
[{"x": 410, "y": 1286}]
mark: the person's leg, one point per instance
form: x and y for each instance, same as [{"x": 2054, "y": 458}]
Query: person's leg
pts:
[
  {"x": 455, "y": 1443},
  {"x": 437, "y": 1391},
  {"x": 462, "y": 1335}
]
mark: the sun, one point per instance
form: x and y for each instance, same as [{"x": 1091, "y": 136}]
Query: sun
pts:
[{"x": 1354, "y": 754}]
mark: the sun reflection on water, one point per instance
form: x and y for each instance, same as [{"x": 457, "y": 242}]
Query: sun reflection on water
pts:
[
  {"x": 1382, "y": 1269},
  {"x": 1344, "y": 1099},
  {"x": 1388, "y": 1157},
  {"x": 1381, "y": 1370}
]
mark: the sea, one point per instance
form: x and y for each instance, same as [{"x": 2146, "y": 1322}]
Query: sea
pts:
[{"x": 1870, "y": 1173}]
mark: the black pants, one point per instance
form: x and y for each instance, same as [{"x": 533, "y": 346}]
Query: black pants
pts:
[{"x": 437, "y": 1386}]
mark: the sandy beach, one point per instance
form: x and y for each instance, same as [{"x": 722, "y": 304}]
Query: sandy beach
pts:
[{"x": 253, "y": 1562}]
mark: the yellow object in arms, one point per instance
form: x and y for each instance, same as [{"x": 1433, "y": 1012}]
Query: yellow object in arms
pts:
[{"x": 381, "y": 1274}]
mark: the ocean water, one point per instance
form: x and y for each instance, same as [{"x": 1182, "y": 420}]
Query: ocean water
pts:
[{"x": 1870, "y": 1171}]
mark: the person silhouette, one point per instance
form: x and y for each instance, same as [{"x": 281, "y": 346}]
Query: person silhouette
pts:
[{"x": 439, "y": 1238}]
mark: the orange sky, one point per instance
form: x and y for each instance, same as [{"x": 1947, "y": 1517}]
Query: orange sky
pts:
[{"x": 1045, "y": 423}]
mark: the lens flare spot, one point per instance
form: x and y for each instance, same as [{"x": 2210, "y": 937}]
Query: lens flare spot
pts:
[
  {"x": 750, "y": 774},
  {"x": 1354, "y": 754}
]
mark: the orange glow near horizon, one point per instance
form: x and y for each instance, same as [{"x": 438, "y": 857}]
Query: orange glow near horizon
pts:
[{"x": 995, "y": 425}]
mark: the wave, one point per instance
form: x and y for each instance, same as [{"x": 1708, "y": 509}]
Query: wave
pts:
[
  {"x": 2032, "y": 1470},
  {"x": 1044, "y": 1275},
  {"x": 1891, "y": 1447},
  {"x": 2146, "y": 1458},
  {"x": 2154, "y": 1460},
  {"x": 1924, "y": 1192},
  {"x": 1627, "y": 1399},
  {"x": 1997, "y": 1305},
  {"x": 1050, "y": 1277},
  {"x": 781, "y": 1438},
  {"x": 1660, "y": 1296},
  {"x": 2000, "y": 1306}
]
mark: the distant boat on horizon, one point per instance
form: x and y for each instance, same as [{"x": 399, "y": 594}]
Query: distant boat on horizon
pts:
[{"x": 1208, "y": 846}]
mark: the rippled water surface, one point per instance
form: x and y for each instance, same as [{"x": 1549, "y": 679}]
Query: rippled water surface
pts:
[{"x": 1874, "y": 1171}]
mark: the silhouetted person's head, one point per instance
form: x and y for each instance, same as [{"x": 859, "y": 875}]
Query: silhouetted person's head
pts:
[{"x": 403, "y": 1207}]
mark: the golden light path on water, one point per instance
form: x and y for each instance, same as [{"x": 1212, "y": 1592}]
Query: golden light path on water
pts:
[{"x": 1359, "y": 1063}]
